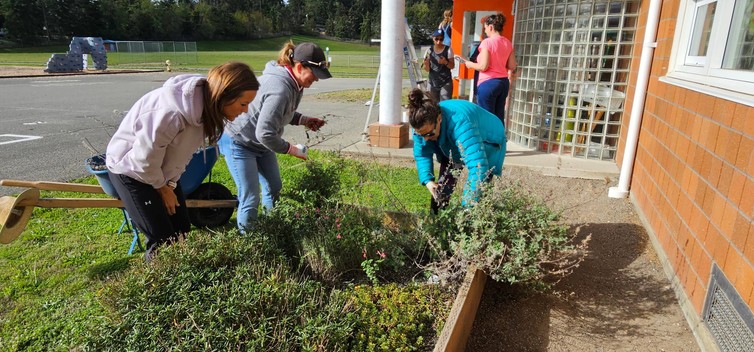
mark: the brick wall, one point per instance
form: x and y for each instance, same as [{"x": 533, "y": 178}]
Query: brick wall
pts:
[{"x": 693, "y": 178}]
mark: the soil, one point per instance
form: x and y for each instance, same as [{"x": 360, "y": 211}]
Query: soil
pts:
[
  {"x": 618, "y": 299},
  {"x": 19, "y": 71}
]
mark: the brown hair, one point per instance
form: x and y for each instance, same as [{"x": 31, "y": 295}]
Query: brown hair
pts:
[
  {"x": 285, "y": 56},
  {"x": 225, "y": 84},
  {"x": 422, "y": 108},
  {"x": 497, "y": 21}
]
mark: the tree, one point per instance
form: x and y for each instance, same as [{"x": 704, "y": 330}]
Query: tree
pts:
[{"x": 24, "y": 20}]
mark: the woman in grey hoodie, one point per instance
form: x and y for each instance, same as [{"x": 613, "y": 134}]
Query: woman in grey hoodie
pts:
[
  {"x": 157, "y": 138},
  {"x": 251, "y": 143}
]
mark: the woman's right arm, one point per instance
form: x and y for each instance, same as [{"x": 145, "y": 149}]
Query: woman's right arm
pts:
[
  {"x": 423, "y": 154},
  {"x": 482, "y": 61}
]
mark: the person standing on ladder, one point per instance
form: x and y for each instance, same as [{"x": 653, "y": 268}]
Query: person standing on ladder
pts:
[
  {"x": 446, "y": 25},
  {"x": 438, "y": 61}
]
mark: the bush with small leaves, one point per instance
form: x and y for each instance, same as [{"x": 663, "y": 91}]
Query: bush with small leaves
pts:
[
  {"x": 507, "y": 233},
  {"x": 393, "y": 318},
  {"x": 221, "y": 292}
]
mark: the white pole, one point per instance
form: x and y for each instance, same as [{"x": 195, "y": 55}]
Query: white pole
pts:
[
  {"x": 391, "y": 55},
  {"x": 637, "y": 108}
]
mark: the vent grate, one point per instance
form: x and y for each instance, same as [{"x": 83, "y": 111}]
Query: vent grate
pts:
[{"x": 728, "y": 318}]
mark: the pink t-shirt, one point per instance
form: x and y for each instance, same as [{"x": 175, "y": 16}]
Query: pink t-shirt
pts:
[{"x": 499, "y": 48}]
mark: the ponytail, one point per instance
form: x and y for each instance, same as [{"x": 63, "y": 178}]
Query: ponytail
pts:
[{"x": 285, "y": 56}]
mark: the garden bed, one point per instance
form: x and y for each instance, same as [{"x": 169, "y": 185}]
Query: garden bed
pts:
[{"x": 316, "y": 273}]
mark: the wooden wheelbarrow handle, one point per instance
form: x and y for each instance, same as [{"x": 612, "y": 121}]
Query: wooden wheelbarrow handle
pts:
[
  {"x": 16, "y": 211},
  {"x": 54, "y": 186},
  {"x": 116, "y": 203}
]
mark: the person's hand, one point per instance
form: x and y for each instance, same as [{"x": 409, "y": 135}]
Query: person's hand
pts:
[
  {"x": 432, "y": 187},
  {"x": 312, "y": 123},
  {"x": 442, "y": 60},
  {"x": 299, "y": 151},
  {"x": 169, "y": 199}
]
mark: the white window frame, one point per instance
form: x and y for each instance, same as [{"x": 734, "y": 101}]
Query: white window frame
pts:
[{"x": 705, "y": 74}]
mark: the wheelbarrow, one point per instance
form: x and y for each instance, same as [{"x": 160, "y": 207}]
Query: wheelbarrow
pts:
[
  {"x": 198, "y": 168},
  {"x": 210, "y": 204}
]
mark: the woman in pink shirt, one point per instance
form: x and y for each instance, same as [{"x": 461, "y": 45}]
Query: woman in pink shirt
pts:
[{"x": 495, "y": 61}]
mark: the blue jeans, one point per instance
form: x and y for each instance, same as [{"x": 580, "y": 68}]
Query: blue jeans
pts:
[
  {"x": 492, "y": 94},
  {"x": 250, "y": 170}
]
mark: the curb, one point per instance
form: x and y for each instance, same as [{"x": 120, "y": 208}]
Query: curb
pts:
[{"x": 80, "y": 73}]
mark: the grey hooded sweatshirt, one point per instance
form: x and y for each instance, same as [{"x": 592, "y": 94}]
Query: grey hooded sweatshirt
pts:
[{"x": 274, "y": 107}]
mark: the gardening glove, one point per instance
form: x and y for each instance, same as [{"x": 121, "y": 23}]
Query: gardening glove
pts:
[
  {"x": 432, "y": 187},
  {"x": 311, "y": 123},
  {"x": 299, "y": 151}
]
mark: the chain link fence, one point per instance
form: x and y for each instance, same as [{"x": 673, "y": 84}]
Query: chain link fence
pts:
[{"x": 123, "y": 53}]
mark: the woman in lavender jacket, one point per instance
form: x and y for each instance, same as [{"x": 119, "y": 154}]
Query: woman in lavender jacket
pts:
[{"x": 157, "y": 138}]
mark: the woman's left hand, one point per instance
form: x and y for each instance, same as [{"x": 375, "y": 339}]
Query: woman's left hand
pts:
[{"x": 169, "y": 199}]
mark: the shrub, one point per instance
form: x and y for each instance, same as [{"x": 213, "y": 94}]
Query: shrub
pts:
[
  {"x": 318, "y": 182},
  {"x": 334, "y": 242},
  {"x": 508, "y": 233},
  {"x": 222, "y": 292},
  {"x": 330, "y": 239},
  {"x": 393, "y": 318}
]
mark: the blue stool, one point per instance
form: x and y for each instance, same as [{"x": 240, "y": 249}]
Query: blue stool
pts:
[{"x": 130, "y": 227}]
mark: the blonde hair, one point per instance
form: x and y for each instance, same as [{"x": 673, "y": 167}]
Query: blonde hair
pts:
[
  {"x": 285, "y": 56},
  {"x": 225, "y": 84},
  {"x": 447, "y": 17}
]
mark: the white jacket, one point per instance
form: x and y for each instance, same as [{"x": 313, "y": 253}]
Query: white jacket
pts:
[{"x": 158, "y": 136}]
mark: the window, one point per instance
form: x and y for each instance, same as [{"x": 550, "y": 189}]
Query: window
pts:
[{"x": 714, "y": 45}]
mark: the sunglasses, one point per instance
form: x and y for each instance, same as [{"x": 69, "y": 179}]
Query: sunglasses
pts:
[
  {"x": 430, "y": 133},
  {"x": 437, "y": 38},
  {"x": 321, "y": 64}
]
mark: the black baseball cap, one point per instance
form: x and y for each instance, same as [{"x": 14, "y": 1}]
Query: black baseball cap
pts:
[
  {"x": 312, "y": 56},
  {"x": 438, "y": 33}
]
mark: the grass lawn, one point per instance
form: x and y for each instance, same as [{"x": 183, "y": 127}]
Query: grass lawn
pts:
[
  {"x": 349, "y": 59},
  {"x": 53, "y": 272}
]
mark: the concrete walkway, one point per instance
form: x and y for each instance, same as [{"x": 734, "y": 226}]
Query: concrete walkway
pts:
[{"x": 345, "y": 130}]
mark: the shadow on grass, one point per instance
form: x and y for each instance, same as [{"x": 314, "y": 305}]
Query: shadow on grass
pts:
[
  {"x": 615, "y": 294},
  {"x": 108, "y": 268}
]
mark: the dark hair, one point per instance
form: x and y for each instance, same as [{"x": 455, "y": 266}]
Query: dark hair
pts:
[
  {"x": 497, "y": 21},
  {"x": 225, "y": 84},
  {"x": 422, "y": 108}
]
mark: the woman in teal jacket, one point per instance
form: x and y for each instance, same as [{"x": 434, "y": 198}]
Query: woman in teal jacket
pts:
[{"x": 460, "y": 134}]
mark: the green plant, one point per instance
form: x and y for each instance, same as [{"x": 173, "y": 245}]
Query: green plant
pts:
[
  {"x": 318, "y": 182},
  {"x": 331, "y": 242},
  {"x": 218, "y": 292},
  {"x": 393, "y": 318},
  {"x": 371, "y": 267},
  {"x": 507, "y": 233}
]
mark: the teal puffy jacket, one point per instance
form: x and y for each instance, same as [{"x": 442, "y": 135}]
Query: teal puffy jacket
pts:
[{"x": 471, "y": 136}]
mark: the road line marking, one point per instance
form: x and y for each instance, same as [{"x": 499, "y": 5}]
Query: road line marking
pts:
[{"x": 20, "y": 138}]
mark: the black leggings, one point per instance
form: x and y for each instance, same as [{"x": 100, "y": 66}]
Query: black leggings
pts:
[{"x": 148, "y": 213}]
